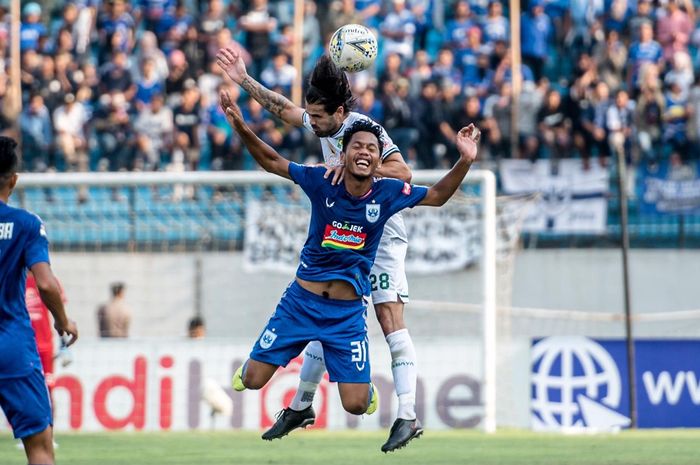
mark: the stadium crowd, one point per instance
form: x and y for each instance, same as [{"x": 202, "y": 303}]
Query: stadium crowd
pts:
[{"x": 113, "y": 85}]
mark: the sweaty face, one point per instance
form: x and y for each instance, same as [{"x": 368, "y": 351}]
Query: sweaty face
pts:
[
  {"x": 362, "y": 155},
  {"x": 324, "y": 124}
]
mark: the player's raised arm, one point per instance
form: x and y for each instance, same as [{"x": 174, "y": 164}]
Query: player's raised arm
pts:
[
  {"x": 395, "y": 167},
  {"x": 467, "y": 141},
  {"x": 50, "y": 293},
  {"x": 231, "y": 63},
  {"x": 266, "y": 156}
]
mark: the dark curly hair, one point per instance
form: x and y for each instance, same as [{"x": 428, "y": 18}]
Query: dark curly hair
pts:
[
  {"x": 329, "y": 86},
  {"x": 363, "y": 125},
  {"x": 8, "y": 158}
]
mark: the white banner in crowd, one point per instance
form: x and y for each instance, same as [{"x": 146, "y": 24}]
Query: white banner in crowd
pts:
[
  {"x": 573, "y": 200},
  {"x": 157, "y": 385},
  {"x": 439, "y": 239}
]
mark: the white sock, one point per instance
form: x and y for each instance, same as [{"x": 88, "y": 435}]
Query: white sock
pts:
[
  {"x": 312, "y": 370},
  {"x": 403, "y": 367}
]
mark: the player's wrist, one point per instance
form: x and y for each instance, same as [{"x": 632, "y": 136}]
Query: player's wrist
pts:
[{"x": 61, "y": 323}]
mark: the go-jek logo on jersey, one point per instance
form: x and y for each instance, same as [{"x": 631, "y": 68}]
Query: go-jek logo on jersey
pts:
[
  {"x": 344, "y": 236},
  {"x": 575, "y": 384}
]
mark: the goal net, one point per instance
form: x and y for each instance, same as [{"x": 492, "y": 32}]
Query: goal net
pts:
[{"x": 223, "y": 245}]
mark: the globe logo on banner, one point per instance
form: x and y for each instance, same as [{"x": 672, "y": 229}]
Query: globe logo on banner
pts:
[{"x": 575, "y": 385}]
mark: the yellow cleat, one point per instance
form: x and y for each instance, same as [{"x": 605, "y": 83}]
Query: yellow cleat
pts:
[
  {"x": 237, "y": 380},
  {"x": 374, "y": 403}
]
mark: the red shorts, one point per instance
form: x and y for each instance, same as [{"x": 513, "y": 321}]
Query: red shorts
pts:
[{"x": 46, "y": 357}]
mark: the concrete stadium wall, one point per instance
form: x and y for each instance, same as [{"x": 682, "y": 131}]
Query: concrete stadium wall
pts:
[
  {"x": 164, "y": 291},
  {"x": 162, "y": 288}
]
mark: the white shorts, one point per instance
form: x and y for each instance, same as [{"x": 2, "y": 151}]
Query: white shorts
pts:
[{"x": 388, "y": 275}]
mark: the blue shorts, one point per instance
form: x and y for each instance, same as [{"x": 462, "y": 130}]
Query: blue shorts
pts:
[
  {"x": 302, "y": 316},
  {"x": 25, "y": 402}
]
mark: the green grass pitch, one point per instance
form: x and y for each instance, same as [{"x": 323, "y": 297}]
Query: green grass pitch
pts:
[{"x": 672, "y": 447}]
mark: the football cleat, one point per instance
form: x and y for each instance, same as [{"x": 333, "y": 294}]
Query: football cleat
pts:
[
  {"x": 374, "y": 403},
  {"x": 288, "y": 420},
  {"x": 401, "y": 433},
  {"x": 237, "y": 380}
]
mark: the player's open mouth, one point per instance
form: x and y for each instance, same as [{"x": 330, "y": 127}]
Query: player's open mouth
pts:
[{"x": 363, "y": 163}]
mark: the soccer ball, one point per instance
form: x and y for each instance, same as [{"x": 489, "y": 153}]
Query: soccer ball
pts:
[{"x": 353, "y": 48}]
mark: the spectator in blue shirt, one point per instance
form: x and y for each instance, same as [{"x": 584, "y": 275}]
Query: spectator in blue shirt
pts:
[
  {"x": 495, "y": 25},
  {"x": 176, "y": 24},
  {"x": 37, "y": 134},
  {"x": 279, "y": 73},
  {"x": 504, "y": 74},
  {"x": 478, "y": 78},
  {"x": 646, "y": 50},
  {"x": 467, "y": 58},
  {"x": 370, "y": 106},
  {"x": 399, "y": 30},
  {"x": 616, "y": 19},
  {"x": 676, "y": 120},
  {"x": 456, "y": 29},
  {"x": 444, "y": 68},
  {"x": 155, "y": 14},
  {"x": 149, "y": 85},
  {"x": 535, "y": 34},
  {"x": 32, "y": 30},
  {"x": 226, "y": 151},
  {"x": 115, "y": 76},
  {"x": 423, "y": 13},
  {"x": 116, "y": 29}
]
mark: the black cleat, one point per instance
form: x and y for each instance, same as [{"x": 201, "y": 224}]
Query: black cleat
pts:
[
  {"x": 401, "y": 433},
  {"x": 288, "y": 420}
]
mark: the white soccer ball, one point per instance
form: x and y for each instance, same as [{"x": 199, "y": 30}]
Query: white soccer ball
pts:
[{"x": 353, "y": 48}]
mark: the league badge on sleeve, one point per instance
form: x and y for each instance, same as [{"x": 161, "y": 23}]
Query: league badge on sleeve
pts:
[{"x": 372, "y": 212}]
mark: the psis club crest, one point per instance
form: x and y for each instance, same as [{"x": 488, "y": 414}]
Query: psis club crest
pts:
[
  {"x": 372, "y": 212},
  {"x": 267, "y": 339}
]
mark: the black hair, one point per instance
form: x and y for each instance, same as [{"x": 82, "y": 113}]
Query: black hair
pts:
[
  {"x": 363, "y": 125},
  {"x": 117, "y": 288},
  {"x": 9, "y": 161},
  {"x": 329, "y": 86},
  {"x": 195, "y": 322}
]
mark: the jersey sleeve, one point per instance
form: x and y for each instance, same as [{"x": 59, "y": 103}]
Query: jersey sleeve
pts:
[
  {"x": 404, "y": 195},
  {"x": 309, "y": 178},
  {"x": 389, "y": 146},
  {"x": 306, "y": 121},
  {"x": 37, "y": 248}
]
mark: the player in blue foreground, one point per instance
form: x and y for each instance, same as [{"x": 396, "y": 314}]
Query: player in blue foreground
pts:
[
  {"x": 328, "y": 299},
  {"x": 24, "y": 397},
  {"x": 327, "y": 114}
]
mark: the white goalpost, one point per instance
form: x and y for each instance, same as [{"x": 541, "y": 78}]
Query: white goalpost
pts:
[{"x": 483, "y": 180}]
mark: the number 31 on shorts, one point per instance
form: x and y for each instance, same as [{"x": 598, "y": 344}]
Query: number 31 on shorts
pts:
[{"x": 381, "y": 283}]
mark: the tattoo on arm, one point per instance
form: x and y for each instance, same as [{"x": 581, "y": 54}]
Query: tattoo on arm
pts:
[{"x": 271, "y": 101}]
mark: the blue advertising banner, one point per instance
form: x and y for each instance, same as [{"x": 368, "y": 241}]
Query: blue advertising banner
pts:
[
  {"x": 579, "y": 382},
  {"x": 665, "y": 188}
]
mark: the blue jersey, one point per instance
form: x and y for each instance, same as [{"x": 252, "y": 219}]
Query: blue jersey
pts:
[
  {"x": 344, "y": 231},
  {"x": 29, "y": 35},
  {"x": 23, "y": 244}
]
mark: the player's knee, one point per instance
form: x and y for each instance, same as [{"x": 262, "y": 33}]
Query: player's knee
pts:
[
  {"x": 252, "y": 381},
  {"x": 356, "y": 405}
]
